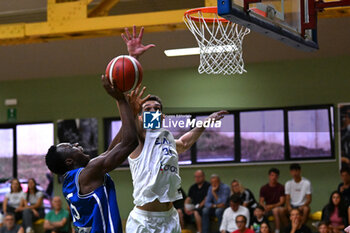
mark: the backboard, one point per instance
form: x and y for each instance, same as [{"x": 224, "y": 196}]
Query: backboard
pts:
[{"x": 290, "y": 21}]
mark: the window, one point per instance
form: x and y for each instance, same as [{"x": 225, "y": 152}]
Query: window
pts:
[
  {"x": 6, "y": 153},
  {"x": 216, "y": 144},
  {"x": 116, "y": 125},
  {"x": 309, "y": 133},
  {"x": 171, "y": 123},
  {"x": 262, "y": 135},
  {"x": 33, "y": 141},
  {"x": 259, "y": 135}
]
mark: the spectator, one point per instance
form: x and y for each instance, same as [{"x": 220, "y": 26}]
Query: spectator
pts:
[
  {"x": 247, "y": 197},
  {"x": 33, "y": 208},
  {"x": 241, "y": 222},
  {"x": 10, "y": 225},
  {"x": 296, "y": 225},
  {"x": 1, "y": 219},
  {"x": 335, "y": 213},
  {"x": 344, "y": 187},
  {"x": 265, "y": 228},
  {"x": 298, "y": 192},
  {"x": 195, "y": 201},
  {"x": 322, "y": 227},
  {"x": 272, "y": 198},
  {"x": 216, "y": 201},
  {"x": 228, "y": 223},
  {"x": 14, "y": 200},
  {"x": 258, "y": 219},
  {"x": 179, "y": 206},
  {"x": 56, "y": 221}
]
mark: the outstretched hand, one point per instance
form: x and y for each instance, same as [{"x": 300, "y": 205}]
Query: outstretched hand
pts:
[
  {"x": 134, "y": 42},
  {"x": 112, "y": 90},
  {"x": 136, "y": 100},
  {"x": 217, "y": 115}
]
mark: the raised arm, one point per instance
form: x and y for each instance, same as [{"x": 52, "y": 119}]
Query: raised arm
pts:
[
  {"x": 135, "y": 101},
  {"x": 188, "y": 139},
  {"x": 134, "y": 42},
  {"x": 92, "y": 175}
]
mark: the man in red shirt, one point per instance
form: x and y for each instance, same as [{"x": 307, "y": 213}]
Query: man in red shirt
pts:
[
  {"x": 272, "y": 198},
  {"x": 241, "y": 222}
]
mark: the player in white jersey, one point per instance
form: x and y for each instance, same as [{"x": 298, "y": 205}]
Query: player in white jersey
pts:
[{"x": 154, "y": 163}]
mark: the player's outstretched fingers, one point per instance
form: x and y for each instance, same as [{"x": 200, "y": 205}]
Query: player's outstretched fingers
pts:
[
  {"x": 141, "y": 33},
  {"x": 134, "y": 31},
  {"x": 127, "y": 33}
]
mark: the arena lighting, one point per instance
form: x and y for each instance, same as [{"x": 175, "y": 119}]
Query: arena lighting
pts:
[{"x": 195, "y": 50}]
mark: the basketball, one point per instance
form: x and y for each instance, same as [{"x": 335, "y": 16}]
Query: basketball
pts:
[{"x": 126, "y": 71}]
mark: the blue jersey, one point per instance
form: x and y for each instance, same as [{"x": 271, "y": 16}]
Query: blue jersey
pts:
[{"x": 95, "y": 212}]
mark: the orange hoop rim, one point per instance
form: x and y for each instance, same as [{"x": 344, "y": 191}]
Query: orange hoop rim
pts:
[{"x": 211, "y": 9}]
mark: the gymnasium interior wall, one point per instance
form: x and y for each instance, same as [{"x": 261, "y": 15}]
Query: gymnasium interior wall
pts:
[{"x": 274, "y": 84}]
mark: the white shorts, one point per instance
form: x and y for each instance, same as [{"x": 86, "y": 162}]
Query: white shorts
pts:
[{"x": 141, "y": 221}]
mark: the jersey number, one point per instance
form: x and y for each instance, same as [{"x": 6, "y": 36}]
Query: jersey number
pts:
[{"x": 74, "y": 211}]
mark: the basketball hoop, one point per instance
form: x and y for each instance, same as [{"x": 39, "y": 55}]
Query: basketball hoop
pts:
[{"x": 219, "y": 41}]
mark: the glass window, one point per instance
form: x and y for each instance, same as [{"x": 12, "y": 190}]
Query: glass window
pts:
[
  {"x": 262, "y": 135},
  {"x": 33, "y": 142},
  {"x": 177, "y": 125},
  {"x": 217, "y": 144},
  {"x": 309, "y": 133},
  {"x": 6, "y": 153},
  {"x": 116, "y": 125}
]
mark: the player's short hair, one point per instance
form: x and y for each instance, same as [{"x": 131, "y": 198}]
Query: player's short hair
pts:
[
  {"x": 236, "y": 198},
  {"x": 295, "y": 167},
  {"x": 274, "y": 170},
  {"x": 155, "y": 98},
  {"x": 55, "y": 161}
]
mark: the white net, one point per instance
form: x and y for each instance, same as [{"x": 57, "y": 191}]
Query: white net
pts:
[{"x": 220, "y": 44}]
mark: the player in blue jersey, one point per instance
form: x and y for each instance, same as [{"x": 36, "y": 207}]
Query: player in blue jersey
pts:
[{"x": 87, "y": 187}]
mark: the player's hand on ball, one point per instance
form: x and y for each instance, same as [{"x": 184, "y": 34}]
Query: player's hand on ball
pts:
[
  {"x": 134, "y": 42},
  {"x": 136, "y": 100},
  {"x": 217, "y": 115},
  {"x": 112, "y": 90}
]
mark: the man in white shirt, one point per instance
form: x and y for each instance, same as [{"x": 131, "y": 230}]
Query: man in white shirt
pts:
[
  {"x": 228, "y": 223},
  {"x": 298, "y": 192}
]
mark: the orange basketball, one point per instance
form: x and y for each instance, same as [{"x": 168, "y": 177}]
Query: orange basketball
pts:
[{"x": 126, "y": 71}]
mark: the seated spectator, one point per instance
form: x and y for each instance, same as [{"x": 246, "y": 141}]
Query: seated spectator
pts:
[
  {"x": 195, "y": 201},
  {"x": 1, "y": 219},
  {"x": 241, "y": 222},
  {"x": 322, "y": 227},
  {"x": 228, "y": 223},
  {"x": 57, "y": 220},
  {"x": 258, "y": 219},
  {"x": 344, "y": 187},
  {"x": 179, "y": 206},
  {"x": 10, "y": 225},
  {"x": 335, "y": 213},
  {"x": 298, "y": 192},
  {"x": 216, "y": 202},
  {"x": 272, "y": 198},
  {"x": 33, "y": 208},
  {"x": 265, "y": 228},
  {"x": 247, "y": 197},
  {"x": 14, "y": 200},
  {"x": 296, "y": 225}
]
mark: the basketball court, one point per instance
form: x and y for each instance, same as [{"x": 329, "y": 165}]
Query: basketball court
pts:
[{"x": 287, "y": 54}]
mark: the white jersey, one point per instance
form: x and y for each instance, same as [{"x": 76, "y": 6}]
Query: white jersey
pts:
[
  {"x": 298, "y": 191},
  {"x": 155, "y": 172}
]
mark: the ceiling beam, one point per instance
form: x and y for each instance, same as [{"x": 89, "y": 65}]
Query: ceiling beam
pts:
[{"x": 70, "y": 20}]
